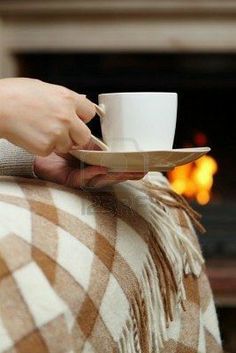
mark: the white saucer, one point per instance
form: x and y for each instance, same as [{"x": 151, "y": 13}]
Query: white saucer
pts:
[{"x": 141, "y": 161}]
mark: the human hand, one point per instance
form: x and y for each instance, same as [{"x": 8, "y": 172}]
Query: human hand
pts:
[
  {"x": 42, "y": 117},
  {"x": 65, "y": 169}
]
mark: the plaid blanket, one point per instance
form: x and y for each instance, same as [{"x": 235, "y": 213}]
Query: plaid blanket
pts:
[{"x": 109, "y": 272}]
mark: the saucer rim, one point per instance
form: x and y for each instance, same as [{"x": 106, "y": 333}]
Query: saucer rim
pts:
[{"x": 174, "y": 150}]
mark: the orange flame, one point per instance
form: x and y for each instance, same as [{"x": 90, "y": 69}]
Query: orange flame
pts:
[{"x": 195, "y": 180}]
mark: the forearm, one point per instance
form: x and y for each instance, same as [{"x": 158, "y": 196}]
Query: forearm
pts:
[{"x": 15, "y": 161}]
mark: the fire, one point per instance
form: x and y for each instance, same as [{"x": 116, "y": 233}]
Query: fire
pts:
[{"x": 195, "y": 180}]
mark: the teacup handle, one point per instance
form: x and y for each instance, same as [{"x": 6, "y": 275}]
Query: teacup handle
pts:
[
  {"x": 99, "y": 143},
  {"x": 100, "y": 110}
]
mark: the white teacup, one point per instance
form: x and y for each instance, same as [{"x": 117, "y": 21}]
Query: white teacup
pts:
[{"x": 140, "y": 121}]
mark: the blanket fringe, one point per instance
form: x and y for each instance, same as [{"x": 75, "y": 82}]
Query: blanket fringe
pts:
[
  {"x": 164, "y": 195},
  {"x": 173, "y": 255},
  {"x": 147, "y": 313}
]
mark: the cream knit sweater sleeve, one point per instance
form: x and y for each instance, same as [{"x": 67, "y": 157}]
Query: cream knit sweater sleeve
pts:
[{"x": 14, "y": 160}]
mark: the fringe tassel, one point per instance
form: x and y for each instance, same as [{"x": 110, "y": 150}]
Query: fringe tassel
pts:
[
  {"x": 172, "y": 255},
  {"x": 147, "y": 310},
  {"x": 164, "y": 195}
]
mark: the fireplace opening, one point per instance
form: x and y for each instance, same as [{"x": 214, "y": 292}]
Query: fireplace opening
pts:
[{"x": 206, "y": 86}]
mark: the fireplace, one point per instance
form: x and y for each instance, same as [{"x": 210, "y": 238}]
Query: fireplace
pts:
[{"x": 205, "y": 84}]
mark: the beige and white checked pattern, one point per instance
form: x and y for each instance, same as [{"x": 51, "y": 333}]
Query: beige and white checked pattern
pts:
[{"x": 72, "y": 265}]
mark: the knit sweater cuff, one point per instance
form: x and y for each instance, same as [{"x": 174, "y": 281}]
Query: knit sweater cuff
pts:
[{"x": 15, "y": 161}]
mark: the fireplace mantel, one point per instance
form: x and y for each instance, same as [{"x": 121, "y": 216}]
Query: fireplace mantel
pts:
[
  {"x": 114, "y": 25},
  {"x": 160, "y": 7}
]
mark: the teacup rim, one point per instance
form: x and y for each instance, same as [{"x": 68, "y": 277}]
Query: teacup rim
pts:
[{"x": 137, "y": 93}]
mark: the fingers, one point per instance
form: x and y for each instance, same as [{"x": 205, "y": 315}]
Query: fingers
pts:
[
  {"x": 89, "y": 146},
  {"x": 63, "y": 143},
  {"x": 80, "y": 178},
  {"x": 98, "y": 177},
  {"x": 76, "y": 135},
  {"x": 114, "y": 178},
  {"x": 84, "y": 108},
  {"x": 79, "y": 133}
]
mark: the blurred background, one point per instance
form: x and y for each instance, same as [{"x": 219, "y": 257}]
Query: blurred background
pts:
[{"x": 185, "y": 46}]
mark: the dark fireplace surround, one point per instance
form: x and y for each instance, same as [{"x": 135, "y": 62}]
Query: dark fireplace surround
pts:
[{"x": 205, "y": 84}]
